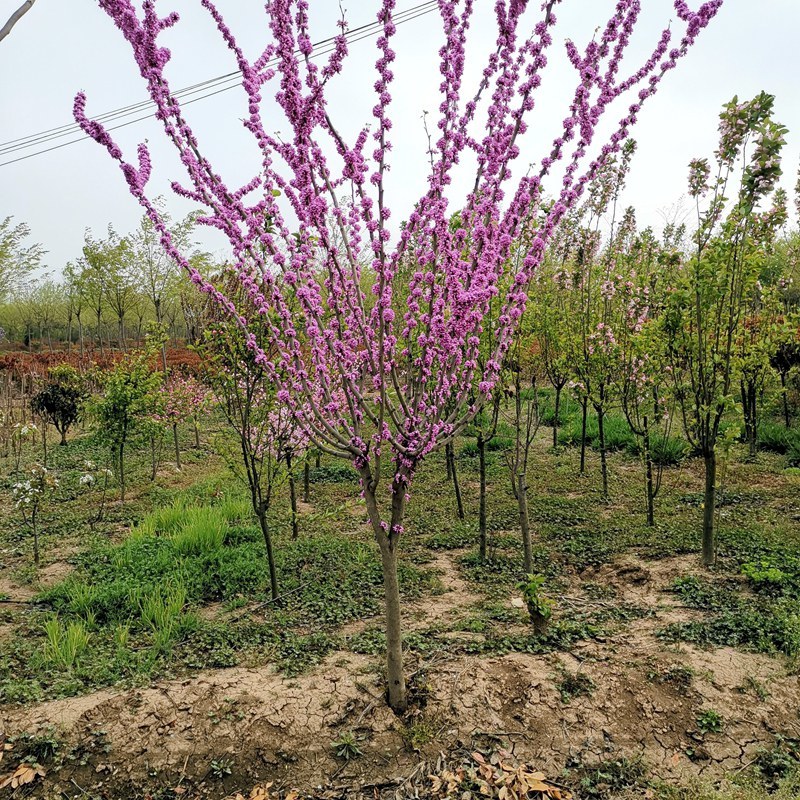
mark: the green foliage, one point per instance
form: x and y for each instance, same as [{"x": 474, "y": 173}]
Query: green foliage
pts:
[
  {"x": 608, "y": 779},
  {"x": 709, "y": 721},
  {"x": 776, "y": 437},
  {"x": 65, "y": 644},
  {"x": 765, "y": 625},
  {"x": 201, "y": 533},
  {"x": 780, "y": 762},
  {"x": 59, "y": 404},
  {"x": 540, "y": 607},
  {"x": 128, "y": 399},
  {"x": 333, "y": 473},
  {"x": 346, "y": 746}
]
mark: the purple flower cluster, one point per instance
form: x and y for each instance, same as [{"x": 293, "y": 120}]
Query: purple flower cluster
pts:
[{"x": 363, "y": 370}]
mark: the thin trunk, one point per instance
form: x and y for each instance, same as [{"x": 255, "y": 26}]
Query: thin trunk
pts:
[
  {"x": 318, "y": 461},
  {"x": 153, "y": 463},
  {"x": 177, "y": 445},
  {"x": 524, "y": 521},
  {"x": 122, "y": 473},
  {"x": 584, "y": 411},
  {"x": 482, "y": 496},
  {"x": 306, "y": 480},
  {"x": 261, "y": 513},
  {"x": 80, "y": 339},
  {"x": 603, "y": 462},
  {"x": 292, "y": 496},
  {"x": 785, "y": 400},
  {"x": 35, "y": 539},
  {"x": 196, "y": 432},
  {"x": 450, "y": 450},
  {"x": 555, "y": 416},
  {"x": 648, "y": 466},
  {"x": 159, "y": 321},
  {"x": 63, "y": 433},
  {"x": 709, "y": 539},
  {"x": 44, "y": 442}
]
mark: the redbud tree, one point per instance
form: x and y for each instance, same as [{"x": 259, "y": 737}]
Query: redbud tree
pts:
[{"x": 317, "y": 252}]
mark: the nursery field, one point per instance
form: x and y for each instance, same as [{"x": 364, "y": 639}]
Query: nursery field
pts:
[
  {"x": 376, "y": 462},
  {"x": 144, "y": 656}
]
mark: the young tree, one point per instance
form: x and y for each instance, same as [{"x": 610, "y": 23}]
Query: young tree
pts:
[
  {"x": 59, "y": 402},
  {"x": 311, "y": 235},
  {"x": 123, "y": 411},
  {"x": 152, "y": 269},
  {"x": 704, "y": 314},
  {"x": 17, "y": 260},
  {"x": 266, "y": 433}
]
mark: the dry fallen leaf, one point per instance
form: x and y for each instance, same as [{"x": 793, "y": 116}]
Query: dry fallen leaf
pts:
[{"x": 23, "y": 775}]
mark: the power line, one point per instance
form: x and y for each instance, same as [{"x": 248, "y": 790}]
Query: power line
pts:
[
  {"x": 221, "y": 83},
  {"x": 12, "y": 144}
]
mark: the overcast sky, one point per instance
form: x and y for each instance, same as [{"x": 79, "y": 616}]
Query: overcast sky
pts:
[{"x": 63, "y": 46}]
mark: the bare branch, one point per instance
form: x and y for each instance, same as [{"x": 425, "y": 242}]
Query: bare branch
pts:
[{"x": 15, "y": 18}]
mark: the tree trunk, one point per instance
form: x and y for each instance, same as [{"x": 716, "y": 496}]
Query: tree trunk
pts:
[
  {"x": 196, "y": 432},
  {"x": 63, "y": 441},
  {"x": 602, "y": 436},
  {"x": 35, "y": 539},
  {"x": 387, "y": 542},
  {"x": 306, "y": 480},
  {"x": 555, "y": 416},
  {"x": 709, "y": 503},
  {"x": 80, "y": 340},
  {"x": 177, "y": 445},
  {"x": 292, "y": 496},
  {"x": 648, "y": 468},
  {"x": 450, "y": 451},
  {"x": 785, "y": 396},
  {"x": 482, "y": 497},
  {"x": 261, "y": 513},
  {"x": 524, "y": 521},
  {"x": 584, "y": 411},
  {"x": 122, "y": 473}
]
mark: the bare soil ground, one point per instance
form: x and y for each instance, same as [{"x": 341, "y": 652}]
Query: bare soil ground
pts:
[{"x": 643, "y": 697}]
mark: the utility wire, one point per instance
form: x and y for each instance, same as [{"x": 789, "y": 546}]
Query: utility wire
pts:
[
  {"x": 371, "y": 27},
  {"x": 221, "y": 83}
]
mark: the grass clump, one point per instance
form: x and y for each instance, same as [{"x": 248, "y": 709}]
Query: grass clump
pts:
[
  {"x": 65, "y": 643},
  {"x": 202, "y": 532}
]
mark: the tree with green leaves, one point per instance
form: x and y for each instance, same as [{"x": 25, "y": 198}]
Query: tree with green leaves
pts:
[
  {"x": 59, "y": 402},
  {"x": 705, "y": 313},
  {"x": 123, "y": 411},
  {"x": 18, "y": 259}
]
